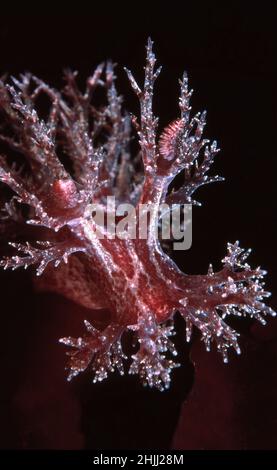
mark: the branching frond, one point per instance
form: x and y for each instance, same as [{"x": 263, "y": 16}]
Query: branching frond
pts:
[
  {"x": 235, "y": 290},
  {"x": 101, "y": 351},
  {"x": 68, "y": 160},
  {"x": 42, "y": 255}
]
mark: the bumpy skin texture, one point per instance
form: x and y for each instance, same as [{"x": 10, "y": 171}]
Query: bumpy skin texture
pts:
[{"x": 134, "y": 279}]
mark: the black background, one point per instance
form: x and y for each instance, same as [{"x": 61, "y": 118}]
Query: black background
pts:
[{"x": 229, "y": 53}]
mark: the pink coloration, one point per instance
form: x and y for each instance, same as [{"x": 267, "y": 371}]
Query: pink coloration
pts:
[
  {"x": 133, "y": 279},
  {"x": 169, "y": 140}
]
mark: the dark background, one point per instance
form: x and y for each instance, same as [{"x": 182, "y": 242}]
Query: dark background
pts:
[{"x": 230, "y": 55}]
